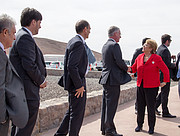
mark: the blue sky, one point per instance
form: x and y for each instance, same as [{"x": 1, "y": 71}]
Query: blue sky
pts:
[{"x": 135, "y": 18}]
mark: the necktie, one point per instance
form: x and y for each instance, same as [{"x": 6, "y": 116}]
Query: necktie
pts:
[{"x": 91, "y": 58}]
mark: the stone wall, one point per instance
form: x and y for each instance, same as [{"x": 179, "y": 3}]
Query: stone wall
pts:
[
  {"x": 91, "y": 74},
  {"x": 52, "y": 111}
]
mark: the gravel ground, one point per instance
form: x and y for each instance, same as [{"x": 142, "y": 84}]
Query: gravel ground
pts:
[{"x": 53, "y": 90}]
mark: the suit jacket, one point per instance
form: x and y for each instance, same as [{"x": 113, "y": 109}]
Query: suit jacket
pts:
[
  {"x": 29, "y": 63},
  {"x": 113, "y": 64},
  {"x": 75, "y": 65},
  {"x": 149, "y": 72},
  {"x": 12, "y": 97},
  {"x": 165, "y": 54},
  {"x": 135, "y": 55}
]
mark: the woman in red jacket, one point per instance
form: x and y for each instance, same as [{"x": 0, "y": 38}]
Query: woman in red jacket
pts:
[{"x": 147, "y": 66}]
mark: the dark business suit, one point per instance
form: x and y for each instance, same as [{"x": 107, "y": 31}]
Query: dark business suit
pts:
[
  {"x": 111, "y": 77},
  {"x": 135, "y": 55},
  {"x": 162, "y": 98},
  {"x": 75, "y": 66},
  {"x": 13, "y": 104},
  {"x": 29, "y": 63},
  {"x": 177, "y": 65}
]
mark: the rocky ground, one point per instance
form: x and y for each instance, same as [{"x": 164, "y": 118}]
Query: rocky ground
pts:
[{"x": 53, "y": 90}]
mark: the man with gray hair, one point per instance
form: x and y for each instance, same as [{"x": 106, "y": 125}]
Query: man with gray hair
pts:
[
  {"x": 111, "y": 79},
  {"x": 13, "y": 104}
]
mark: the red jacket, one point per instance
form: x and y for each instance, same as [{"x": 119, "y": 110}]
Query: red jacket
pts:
[{"x": 149, "y": 72}]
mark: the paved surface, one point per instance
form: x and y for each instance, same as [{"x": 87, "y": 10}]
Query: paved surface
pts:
[{"x": 125, "y": 121}]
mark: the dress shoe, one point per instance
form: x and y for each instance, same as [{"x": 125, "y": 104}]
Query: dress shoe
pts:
[
  {"x": 138, "y": 129},
  {"x": 157, "y": 112},
  {"x": 168, "y": 116},
  {"x": 135, "y": 111},
  {"x": 58, "y": 134},
  {"x": 103, "y": 133},
  {"x": 114, "y": 133},
  {"x": 151, "y": 131}
]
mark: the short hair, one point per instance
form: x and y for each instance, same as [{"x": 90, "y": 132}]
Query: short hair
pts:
[
  {"x": 112, "y": 30},
  {"x": 152, "y": 44},
  {"x": 29, "y": 14},
  {"x": 144, "y": 40},
  {"x": 80, "y": 25},
  {"x": 165, "y": 37},
  {"x": 6, "y": 22}
]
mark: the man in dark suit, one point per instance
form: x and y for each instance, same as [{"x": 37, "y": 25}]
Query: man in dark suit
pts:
[
  {"x": 135, "y": 55},
  {"x": 111, "y": 76},
  {"x": 28, "y": 61},
  {"x": 13, "y": 104},
  {"x": 73, "y": 80},
  {"x": 165, "y": 54}
]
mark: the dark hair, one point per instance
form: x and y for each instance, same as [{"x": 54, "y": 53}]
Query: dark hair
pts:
[
  {"x": 165, "y": 37},
  {"x": 80, "y": 25},
  {"x": 29, "y": 14},
  {"x": 144, "y": 40}
]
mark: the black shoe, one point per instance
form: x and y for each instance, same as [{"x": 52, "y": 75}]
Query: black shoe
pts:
[
  {"x": 179, "y": 126},
  {"x": 58, "y": 134},
  {"x": 135, "y": 111},
  {"x": 168, "y": 116},
  {"x": 138, "y": 129},
  {"x": 114, "y": 133},
  {"x": 103, "y": 133},
  {"x": 157, "y": 112},
  {"x": 151, "y": 131}
]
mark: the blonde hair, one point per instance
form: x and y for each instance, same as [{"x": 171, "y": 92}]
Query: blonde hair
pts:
[{"x": 153, "y": 45}]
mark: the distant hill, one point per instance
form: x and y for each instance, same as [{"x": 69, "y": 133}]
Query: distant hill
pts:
[{"x": 49, "y": 46}]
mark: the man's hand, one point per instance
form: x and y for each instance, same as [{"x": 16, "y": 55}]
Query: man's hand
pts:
[
  {"x": 162, "y": 84},
  {"x": 129, "y": 69},
  {"x": 79, "y": 92},
  {"x": 43, "y": 85}
]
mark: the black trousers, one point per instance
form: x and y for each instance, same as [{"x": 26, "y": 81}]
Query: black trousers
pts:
[
  {"x": 4, "y": 128},
  {"x": 109, "y": 107},
  {"x": 33, "y": 107},
  {"x": 73, "y": 118},
  {"x": 162, "y": 98},
  {"x": 146, "y": 97}
]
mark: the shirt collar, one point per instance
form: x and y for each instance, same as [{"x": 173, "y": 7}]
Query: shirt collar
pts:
[
  {"x": 81, "y": 38},
  {"x": 112, "y": 39},
  {"x": 28, "y": 31},
  {"x": 2, "y": 46}
]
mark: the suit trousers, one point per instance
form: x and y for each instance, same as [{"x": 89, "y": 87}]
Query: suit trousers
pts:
[
  {"x": 109, "y": 107},
  {"x": 4, "y": 128},
  {"x": 73, "y": 118},
  {"x": 179, "y": 88},
  {"x": 146, "y": 97},
  {"x": 33, "y": 107},
  {"x": 162, "y": 98}
]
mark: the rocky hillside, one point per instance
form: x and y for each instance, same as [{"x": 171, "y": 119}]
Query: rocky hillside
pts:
[{"x": 48, "y": 46}]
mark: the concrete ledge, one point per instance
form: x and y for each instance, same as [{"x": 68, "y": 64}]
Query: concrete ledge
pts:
[
  {"x": 91, "y": 74},
  {"x": 52, "y": 111}
]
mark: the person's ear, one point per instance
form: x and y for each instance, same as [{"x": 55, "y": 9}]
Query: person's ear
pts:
[{"x": 5, "y": 32}]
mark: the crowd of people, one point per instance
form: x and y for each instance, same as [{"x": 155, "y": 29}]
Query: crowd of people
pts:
[{"x": 24, "y": 73}]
